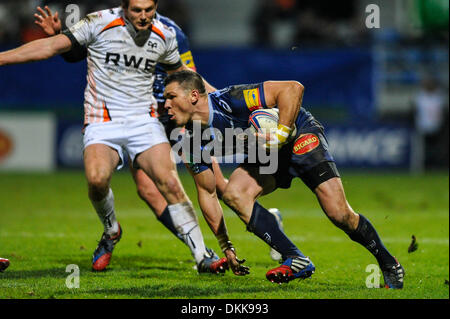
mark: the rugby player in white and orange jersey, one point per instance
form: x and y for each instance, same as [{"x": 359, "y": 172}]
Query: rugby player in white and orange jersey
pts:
[{"x": 124, "y": 45}]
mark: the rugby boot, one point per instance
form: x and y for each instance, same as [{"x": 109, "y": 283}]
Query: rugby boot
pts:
[
  {"x": 292, "y": 268},
  {"x": 4, "y": 263},
  {"x": 211, "y": 263},
  {"x": 102, "y": 255},
  {"x": 393, "y": 276}
]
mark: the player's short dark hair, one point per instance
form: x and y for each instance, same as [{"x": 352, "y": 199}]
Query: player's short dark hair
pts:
[
  {"x": 188, "y": 80},
  {"x": 126, "y": 3}
]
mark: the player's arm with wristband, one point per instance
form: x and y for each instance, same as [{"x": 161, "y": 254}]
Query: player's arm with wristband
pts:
[
  {"x": 287, "y": 96},
  {"x": 213, "y": 214},
  {"x": 51, "y": 25}
]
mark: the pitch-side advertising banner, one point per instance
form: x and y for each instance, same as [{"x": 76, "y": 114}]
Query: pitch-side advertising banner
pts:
[
  {"x": 27, "y": 142},
  {"x": 371, "y": 146},
  {"x": 374, "y": 146}
]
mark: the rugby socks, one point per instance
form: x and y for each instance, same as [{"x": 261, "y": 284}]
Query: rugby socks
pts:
[
  {"x": 366, "y": 235},
  {"x": 264, "y": 225},
  {"x": 186, "y": 224},
  {"x": 105, "y": 211},
  {"x": 167, "y": 221}
]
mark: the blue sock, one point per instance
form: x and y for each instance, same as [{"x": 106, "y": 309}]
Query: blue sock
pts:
[
  {"x": 366, "y": 235},
  {"x": 264, "y": 225},
  {"x": 166, "y": 220}
]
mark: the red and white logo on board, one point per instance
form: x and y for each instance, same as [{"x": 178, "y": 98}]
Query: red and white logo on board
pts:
[{"x": 6, "y": 145}]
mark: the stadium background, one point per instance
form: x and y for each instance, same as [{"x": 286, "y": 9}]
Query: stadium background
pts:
[{"x": 361, "y": 83}]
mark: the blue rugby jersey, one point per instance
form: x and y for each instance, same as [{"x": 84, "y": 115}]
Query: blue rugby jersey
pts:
[
  {"x": 185, "y": 54},
  {"x": 231, "y": 107}
]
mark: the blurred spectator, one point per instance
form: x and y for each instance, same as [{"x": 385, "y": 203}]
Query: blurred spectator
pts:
[
  {"x": 178, "y": 12},
  {"x": 328, "y": 22},
  {"x": 17, "y": 20},
  {"x": 431, "y": 122},
  {"x": 30, "y": 32},
  {"x": 313, "y": 22},
  {"x": 12, "y": 17},
  {"x": 266, "y": 14}
]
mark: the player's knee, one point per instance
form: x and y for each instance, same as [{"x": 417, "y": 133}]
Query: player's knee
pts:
[
  {"x": 341, "y": 215},
  {"x": 297, "y": 86},
  {"x": 98, "y": 181}
]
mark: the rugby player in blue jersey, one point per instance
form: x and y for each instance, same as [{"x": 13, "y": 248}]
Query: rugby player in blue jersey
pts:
[
  {"x": 304, "y": 155},
  {"x": 147, "y": 190}
]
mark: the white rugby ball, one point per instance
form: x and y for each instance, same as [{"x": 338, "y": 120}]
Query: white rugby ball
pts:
[{"x": 266, "y": 121}]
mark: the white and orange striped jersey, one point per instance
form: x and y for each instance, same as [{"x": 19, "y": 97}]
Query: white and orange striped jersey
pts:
[{"x": 120, "y": 73}]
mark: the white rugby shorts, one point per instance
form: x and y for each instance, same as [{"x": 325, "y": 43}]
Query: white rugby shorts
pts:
[{"x": 134, "y": 136}]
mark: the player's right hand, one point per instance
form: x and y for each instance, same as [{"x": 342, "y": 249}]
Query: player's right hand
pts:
[{"x": 50, "y": 24}]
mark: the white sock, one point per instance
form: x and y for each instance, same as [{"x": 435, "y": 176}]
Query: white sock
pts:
[
  {"x": 105, "y": 211},
  {"x": 186, "y": 223}
]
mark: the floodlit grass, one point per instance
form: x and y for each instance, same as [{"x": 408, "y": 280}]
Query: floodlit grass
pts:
[{"x": 47, "y": 223}]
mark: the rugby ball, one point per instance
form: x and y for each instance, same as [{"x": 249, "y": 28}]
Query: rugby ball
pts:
[{"x": 266, "y": 121}]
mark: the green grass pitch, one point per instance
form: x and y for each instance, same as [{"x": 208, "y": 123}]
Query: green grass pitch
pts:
[{"x": 47, "y": 223}]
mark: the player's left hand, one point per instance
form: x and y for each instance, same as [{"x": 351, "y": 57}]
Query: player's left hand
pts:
[{"x": 236, "y": 265}]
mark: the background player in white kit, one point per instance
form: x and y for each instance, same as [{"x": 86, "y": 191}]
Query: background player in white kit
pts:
[{"x": 124, "y": 47}]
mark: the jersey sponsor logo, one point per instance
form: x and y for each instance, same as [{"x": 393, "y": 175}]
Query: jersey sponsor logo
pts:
[
  {"x": 188, "y": 59},
  {"x": 252, "y": 99},
  {"x": 305, "y": 143},
  {"x": 6, "y": 145},
  {"x": 130, "y": 61}
]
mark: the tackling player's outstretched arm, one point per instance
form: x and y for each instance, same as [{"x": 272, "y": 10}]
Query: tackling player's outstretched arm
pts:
[
  {"x": 41, "y": 49},
  {"x": 51, "y": 25}
]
